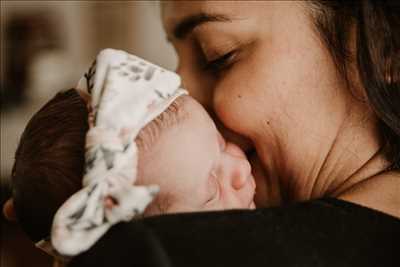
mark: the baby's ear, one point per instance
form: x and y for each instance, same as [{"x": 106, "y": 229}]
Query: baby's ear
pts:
[
  {"x": 9, "y": 211},
  {"x": 84, "y": 95}
]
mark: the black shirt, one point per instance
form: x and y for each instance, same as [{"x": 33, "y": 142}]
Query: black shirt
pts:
[{"x": 326, "y": 232}]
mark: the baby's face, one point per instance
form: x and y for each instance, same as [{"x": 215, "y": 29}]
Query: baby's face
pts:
[{"x": 194, "y": 166}]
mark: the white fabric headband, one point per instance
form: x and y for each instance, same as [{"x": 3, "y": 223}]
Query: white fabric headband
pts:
[{"x": 126, "y": 92}]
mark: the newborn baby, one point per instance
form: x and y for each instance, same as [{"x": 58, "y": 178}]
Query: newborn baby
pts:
[
  {"x": 180, "y": 150},
  {"x": 196, "y": 169}
]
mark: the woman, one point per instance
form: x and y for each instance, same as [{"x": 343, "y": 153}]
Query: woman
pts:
[
  {"x": 311, "y": 91},
  {"x": 315, "y": 90}
]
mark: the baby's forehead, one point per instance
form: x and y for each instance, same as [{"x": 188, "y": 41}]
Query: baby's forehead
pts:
[{"x": 173, "y": 116}]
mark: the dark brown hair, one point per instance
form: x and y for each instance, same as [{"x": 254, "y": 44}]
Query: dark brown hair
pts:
[
  {"x": 49, "y": 162},
  {"x": 377, "y": 25}
]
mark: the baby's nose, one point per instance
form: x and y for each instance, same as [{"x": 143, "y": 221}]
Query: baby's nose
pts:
[
  {"x": 241, "y": 168},
  {"x": 241, "y": 174}
]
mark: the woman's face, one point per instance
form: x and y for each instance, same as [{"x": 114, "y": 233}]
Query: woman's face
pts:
[{"x": 261, "y": 70}]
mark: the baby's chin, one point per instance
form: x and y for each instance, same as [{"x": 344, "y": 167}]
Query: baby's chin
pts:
[
  {"x": 252, "y": 204},
  {"x": 250, "y": 192},
  {"x": 261, "y": 196}
]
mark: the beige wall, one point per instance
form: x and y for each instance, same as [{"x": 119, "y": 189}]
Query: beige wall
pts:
[{"x": 85, "y": 27}]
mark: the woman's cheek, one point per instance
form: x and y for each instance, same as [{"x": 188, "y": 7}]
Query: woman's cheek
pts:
[
  {"x": 199, "y": 85},
  {"x": 235, "y": 104}
]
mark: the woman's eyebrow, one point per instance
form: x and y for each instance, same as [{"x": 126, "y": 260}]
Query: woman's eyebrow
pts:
[{"x": 188, "y": 24}]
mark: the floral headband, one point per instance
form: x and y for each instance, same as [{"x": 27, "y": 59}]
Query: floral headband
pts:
[{"x": 124, "y": 93}]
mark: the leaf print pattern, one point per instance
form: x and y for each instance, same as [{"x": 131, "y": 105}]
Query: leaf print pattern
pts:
[{"x": 129, "y": 92}]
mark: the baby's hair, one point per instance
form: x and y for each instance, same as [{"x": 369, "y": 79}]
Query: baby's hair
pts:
[{"x": 49, "y": 160}]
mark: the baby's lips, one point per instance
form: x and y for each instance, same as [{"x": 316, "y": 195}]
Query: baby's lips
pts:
[
  {"x": 252, "y": 205},
  {"x": 259, "y": 179},
  {"x": 249, "y": 192},
  {"x": 253, "y": 182}
]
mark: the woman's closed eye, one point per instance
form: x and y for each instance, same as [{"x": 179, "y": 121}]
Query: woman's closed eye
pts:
[{"x": 220, "y": 63}]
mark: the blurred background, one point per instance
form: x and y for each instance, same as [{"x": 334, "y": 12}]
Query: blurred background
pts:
[{"x": 45, "y": 47}]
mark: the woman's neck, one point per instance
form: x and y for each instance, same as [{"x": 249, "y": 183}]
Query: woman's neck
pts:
[{"x": 354, "y": 168}]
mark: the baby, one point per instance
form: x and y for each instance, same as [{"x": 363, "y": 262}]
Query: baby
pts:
[
  {"x": 184, "y": 154},
  {"x": 181, "y": 151}
]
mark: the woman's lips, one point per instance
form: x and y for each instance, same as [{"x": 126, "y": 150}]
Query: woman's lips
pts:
[
  {"x": 244, "y": 143},
  {"x": 250, "y": 151}
]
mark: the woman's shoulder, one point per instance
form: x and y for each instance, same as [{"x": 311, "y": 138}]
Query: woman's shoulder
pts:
[
  {"x": 379, "y": 194},
  {"x": 350, "y": 210}
]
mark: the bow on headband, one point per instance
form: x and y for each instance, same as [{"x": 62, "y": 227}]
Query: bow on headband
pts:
[{"x": 125, "y": 93}]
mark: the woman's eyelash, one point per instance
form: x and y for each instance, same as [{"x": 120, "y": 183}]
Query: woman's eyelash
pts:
[{"x": 220, "y": 63}]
